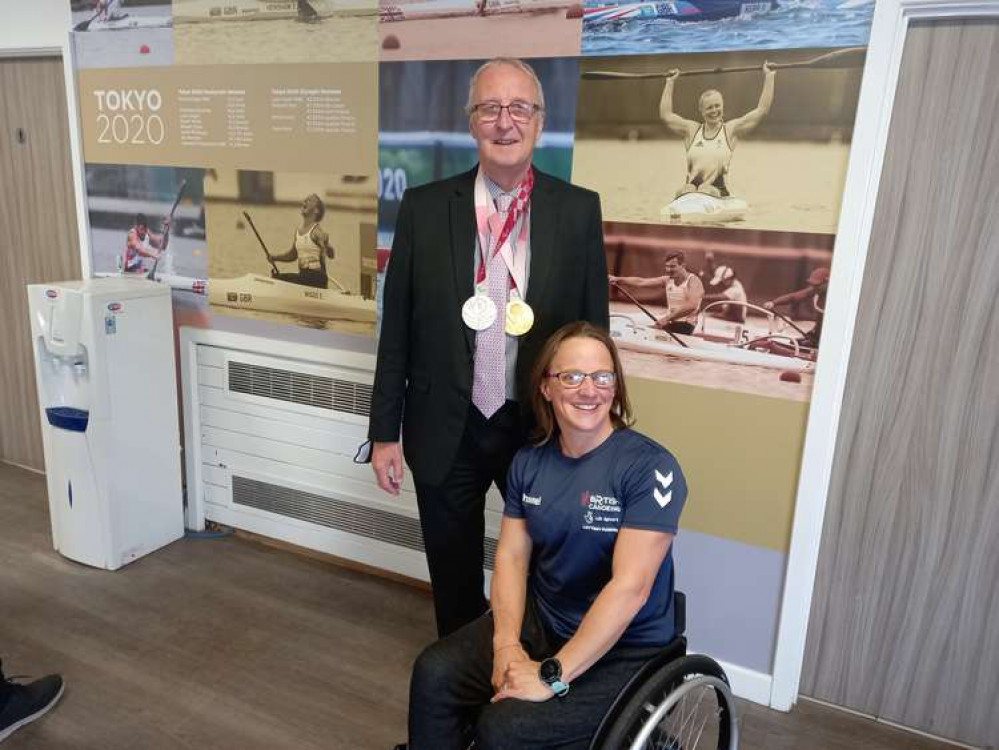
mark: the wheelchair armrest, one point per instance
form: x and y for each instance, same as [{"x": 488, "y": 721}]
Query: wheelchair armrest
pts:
[{"x": 680, "y": 612}]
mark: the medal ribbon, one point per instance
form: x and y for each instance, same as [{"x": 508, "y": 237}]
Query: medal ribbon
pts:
[{"x": 487, "y": 217}]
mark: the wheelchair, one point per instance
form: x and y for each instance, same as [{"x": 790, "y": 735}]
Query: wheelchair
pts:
[{"x": 675, "y": 701}]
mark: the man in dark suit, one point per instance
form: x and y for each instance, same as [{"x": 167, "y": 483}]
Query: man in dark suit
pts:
[{"x": 471, "y": 253}]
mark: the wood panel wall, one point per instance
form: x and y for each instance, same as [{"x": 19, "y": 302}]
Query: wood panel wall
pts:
[
  {"x": 905, "y": 619},
  {"x": 38, "y": 233}
]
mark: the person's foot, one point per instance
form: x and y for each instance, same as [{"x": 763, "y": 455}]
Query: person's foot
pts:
[
  {"x": 401, "y": 746},
  {"x": 21, "y": 704}
]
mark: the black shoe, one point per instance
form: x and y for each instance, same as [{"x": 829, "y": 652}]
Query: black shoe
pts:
[
  {"x": 401, "y": 746},
  {"x": 22, "y": 704}
]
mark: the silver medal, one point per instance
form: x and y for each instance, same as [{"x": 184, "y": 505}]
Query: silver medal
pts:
[{"x": 478, "y": 312}]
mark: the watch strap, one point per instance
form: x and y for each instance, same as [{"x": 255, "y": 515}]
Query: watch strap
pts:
[
  {"x": 550, "y": 672},
  {"x": 559, "y": 688}
]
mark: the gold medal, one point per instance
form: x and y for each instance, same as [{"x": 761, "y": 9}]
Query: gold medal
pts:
[{"x": 519, "y": 317}]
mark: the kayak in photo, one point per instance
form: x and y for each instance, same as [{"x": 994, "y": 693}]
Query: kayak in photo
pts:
[
  {"x": 630, "y": 27},
  {"x": 701, "y": 208}
]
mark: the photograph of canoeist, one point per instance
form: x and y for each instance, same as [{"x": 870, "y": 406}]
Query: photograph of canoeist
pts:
[
  {"x": 309, "y": 249},
  {"x": 119, "y": 15},
  {"x": 754, "y": 140},
  {"x": 144, "y": 245},
  {"x": 684, "y": 292},
  {"x": 293, "y": 248},
  {"x": 148, "y": 221},
  {"x": 723, "y": 285},
  {"x": 423, "y": 130},
  {"x": 467, "y": 29},
  {"x": 208, "y": 32},
  {"x": 141, "y": 33},
  {"x": 817, "y": 284},
  {"x": 642, "y": 27},
  {"x": 739, "y": 310}
]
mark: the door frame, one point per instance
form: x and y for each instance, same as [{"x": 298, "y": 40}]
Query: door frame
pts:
[
  {"x": 65, "y": 55},
  {"x": 870, "y": 137}
]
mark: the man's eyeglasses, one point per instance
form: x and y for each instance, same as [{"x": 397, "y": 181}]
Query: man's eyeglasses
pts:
[
  {"x": 520, "y": 112},
  {"x": 575, "y": 378}
]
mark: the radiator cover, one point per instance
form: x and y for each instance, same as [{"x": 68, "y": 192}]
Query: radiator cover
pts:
[
  {"x": 329, "y": 393},
  {"x": 345, "y": 516},
  {"x": 271, "y": 442}
]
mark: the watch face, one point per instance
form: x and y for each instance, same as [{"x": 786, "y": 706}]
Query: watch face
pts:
[{"x": 550, "y": 671}]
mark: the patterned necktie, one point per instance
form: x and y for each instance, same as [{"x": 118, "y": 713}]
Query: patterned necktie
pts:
[{"x": 489, "y": 380}]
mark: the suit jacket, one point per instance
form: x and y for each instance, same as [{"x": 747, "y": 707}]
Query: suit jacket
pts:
[{"x": 423, "y": 379}]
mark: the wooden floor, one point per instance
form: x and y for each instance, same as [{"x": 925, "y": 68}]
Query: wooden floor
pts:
[{"x": 234, "y": 645}]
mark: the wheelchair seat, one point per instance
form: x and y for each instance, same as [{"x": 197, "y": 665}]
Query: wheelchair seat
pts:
[{"x": 674, "y": 702}]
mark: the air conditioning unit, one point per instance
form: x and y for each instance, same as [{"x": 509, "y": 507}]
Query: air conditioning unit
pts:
[{"x": 270, "y": 446}]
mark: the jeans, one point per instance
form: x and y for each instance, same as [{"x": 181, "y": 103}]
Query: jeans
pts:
[{"x": 450, "y": 692}]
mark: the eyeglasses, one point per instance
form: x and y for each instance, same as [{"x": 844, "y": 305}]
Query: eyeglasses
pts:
[
  {"x": 520, "y": 112},
  {"x": 575, "y": 378}
]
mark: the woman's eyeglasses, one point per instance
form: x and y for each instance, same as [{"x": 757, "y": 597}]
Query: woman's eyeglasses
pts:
[{"x": 575, "y": 378}]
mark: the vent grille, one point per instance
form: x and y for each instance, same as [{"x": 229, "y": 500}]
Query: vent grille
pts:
[
  {"x": 300, "y": 388},
  {"x": 352, "y": 518}
]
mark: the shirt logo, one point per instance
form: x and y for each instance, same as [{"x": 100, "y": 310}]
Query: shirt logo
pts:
[
  {"x": 664, "y": 496},
  {"x": 600, "y": 512},
  {"x": 600, "y": 503},
  {"x": 528, "y": 500}
]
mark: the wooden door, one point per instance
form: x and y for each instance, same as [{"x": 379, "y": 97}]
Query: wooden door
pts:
[
  {"x": 905, "y": 615},
  {"x": 38, "y": 233}
]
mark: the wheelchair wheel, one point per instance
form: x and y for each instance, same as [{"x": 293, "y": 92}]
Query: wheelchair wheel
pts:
[{"x": 686, "y": 705}]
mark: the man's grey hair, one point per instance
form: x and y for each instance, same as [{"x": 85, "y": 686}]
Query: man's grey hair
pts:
[{"x": 512, "y": 62}]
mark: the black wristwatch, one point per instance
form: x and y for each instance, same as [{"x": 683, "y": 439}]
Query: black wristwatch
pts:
[{"x": 550, "y": 673}]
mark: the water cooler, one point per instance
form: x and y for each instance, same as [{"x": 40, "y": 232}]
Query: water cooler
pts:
[{"x": 104, "y": 365}]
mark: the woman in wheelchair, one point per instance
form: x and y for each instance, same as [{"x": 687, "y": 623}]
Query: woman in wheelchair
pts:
[{"x": 582, "y": 593}]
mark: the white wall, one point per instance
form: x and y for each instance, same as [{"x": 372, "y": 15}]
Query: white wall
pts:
[{"x": 33, "y": 25}]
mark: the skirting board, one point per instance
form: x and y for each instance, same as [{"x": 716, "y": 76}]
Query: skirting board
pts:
[
  {"x": 746, "y": 683},
  {"x": 749, "y": 684}
]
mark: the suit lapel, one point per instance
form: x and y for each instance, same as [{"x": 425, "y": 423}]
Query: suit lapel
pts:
[
  {"x": 463, "y": 243},
  {"x": 544, "y": 218}
]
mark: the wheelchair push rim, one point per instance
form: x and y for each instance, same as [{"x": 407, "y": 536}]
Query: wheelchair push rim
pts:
[
  {"x": 684, "y": 704},
  {"x": 695, "y": 711}
]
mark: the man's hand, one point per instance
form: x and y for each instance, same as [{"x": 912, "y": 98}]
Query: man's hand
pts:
[
  {"x": 503, "y": 657},
  {"x": 521, "y": 681},
  {"x": 672, "y": 74},
  {"x": 386, "y": 460},
  {"x": 768, "y": 305},
  {"x": 768, "y": 68}
]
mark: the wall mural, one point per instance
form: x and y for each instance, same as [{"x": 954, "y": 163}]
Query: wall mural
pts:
[{"x": 253, "y": 154}]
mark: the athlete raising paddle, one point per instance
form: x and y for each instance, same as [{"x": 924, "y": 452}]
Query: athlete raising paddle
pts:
[
  {"x": 310, "y": 247},
  {"x": 710, "y": 142}
]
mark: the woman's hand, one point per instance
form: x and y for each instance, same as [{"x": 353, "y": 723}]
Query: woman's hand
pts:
[
  {"x": 502, "y": 658},
  {"x": 521, "y": 681}
]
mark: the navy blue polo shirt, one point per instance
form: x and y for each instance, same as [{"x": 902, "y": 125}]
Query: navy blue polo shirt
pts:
[{"x": 574, "y": 508}]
